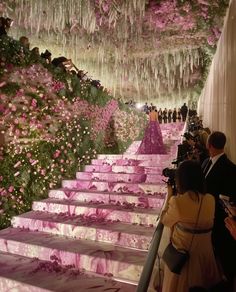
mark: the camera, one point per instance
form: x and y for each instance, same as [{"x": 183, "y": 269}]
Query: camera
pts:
[
  {"x": 170, "y": 174},
  {"x": 228, "y": 205},
  {"x": 188, "y": 136}
]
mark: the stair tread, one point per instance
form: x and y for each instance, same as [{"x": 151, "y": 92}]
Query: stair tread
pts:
[
  {"x": 71, "y": 245},
  {"x": 88, "y": 222},
  {"x": 31, "y": 275},
  {"x": 115, "y": 182},
  {"x": 118, "y": 173},
  {"x": 140, "y": 194},
  {"x": 126, "y": 207}
]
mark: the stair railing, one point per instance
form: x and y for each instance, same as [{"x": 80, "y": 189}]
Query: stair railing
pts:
[
  {"x": 151, "y": 258},
  {"x": 146, "y": 275}
]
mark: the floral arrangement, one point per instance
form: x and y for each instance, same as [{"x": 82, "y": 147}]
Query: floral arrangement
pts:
[
  {"x": 50, "y": 132},
  {"x": 123, "y": 128}
]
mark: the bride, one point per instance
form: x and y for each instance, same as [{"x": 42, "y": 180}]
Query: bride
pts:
[{"x": 152, "y": 142}]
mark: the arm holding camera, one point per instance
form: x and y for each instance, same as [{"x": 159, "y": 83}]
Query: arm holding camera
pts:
[
  {"x": 230, "y": 221},
  {"x": 230, "y": 224}
]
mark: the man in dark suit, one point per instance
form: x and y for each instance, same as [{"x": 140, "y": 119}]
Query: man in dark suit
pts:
[
  {"x": 184, "y": 111},
  {"x": 220, "y": 176}
]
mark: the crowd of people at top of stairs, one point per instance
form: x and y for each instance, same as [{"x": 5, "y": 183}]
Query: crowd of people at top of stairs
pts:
[
  {"x": 164, "y": 115},
  {"x": 168, "y": 115}
]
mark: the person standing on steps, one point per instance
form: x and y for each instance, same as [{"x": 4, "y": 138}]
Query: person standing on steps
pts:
[
  {"x": 184, "y": 112},
  {"x": 152, "y": 142}
]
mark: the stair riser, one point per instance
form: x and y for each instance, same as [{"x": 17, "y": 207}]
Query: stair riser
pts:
[
  {"x": 116, "y": 177},
  {"x": 100, "y": 262},
  {"x": 139, "y": 201},
  {"x": 123, "y": 162},
  {"x": 93, "y": 212},
  {"x": 112, "y": 177},
  {"x": 123, "y": 169},
  {"x": 114, "y": 187},
  {"x": 84, "y": 232},
  {"x": 114, "y": 169}
]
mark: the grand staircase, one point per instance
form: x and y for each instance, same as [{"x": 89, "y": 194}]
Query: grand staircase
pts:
[{"x": 92, "y": 234}]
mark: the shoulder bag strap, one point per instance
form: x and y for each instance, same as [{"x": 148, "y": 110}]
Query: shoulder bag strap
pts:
[{"x": 201, "y": 199}]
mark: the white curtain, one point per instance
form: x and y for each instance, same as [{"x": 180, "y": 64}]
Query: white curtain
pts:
[{"x": 217, "y": 103}]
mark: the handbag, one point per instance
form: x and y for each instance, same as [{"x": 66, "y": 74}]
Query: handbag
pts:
[{"x": 175, "y": 258}]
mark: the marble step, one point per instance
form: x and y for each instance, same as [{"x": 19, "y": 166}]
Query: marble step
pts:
[
  {"x": 139, "y": 200},
  {"x": 121, "y": 187},
  {"x": 123, "y": 169},
  {"x": 83, "y": 227},
  {"x": 126, "y": 214},
  {"x": 131, "y": 162},
  {"x": 152, "y": 157},
  {"x": 112, "y": 177},
  {"x": 119, "y": 177},
  {"x": 22, "y": 274},
  {"x": 92, "y": 256},
  {"x": 171, "y": 126}
]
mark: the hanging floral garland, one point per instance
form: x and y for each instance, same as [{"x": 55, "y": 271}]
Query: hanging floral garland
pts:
[{"x": 129, "y": 37}]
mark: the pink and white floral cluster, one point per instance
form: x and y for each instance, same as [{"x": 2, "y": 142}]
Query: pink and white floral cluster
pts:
[
  {"x": 36, "y": 111},
  {"x": 36, "y": 75},
  {"x": 170, "y": 15},
  {"x": 127, "y": 125}
]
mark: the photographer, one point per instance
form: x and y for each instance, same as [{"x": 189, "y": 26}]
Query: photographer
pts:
[
  {"x": 194, "y": 145},
  {"x": 190, "y": 216}
]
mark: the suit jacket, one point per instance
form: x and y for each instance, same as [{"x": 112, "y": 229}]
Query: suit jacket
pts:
[{"x": 222, "y": 180}]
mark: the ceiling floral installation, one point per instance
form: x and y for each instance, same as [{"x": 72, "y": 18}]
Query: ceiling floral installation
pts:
[{"x": 137, "y": 48}]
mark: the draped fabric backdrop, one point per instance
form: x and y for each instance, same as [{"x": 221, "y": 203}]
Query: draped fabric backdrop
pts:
[{"x": 217, "y": 103}]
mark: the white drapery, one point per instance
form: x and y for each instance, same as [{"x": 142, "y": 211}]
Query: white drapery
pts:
[{"x": 217, "y": 103}]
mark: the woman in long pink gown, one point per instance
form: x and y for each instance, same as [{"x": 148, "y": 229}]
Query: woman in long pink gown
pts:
[{"x": 152, "y": 142}]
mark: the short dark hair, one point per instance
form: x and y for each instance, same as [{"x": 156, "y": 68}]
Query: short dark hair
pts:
[
  {"x": 189, "y": 177},
  {"x": 217, "y": 140},
  {"x": 46, "y": 54}
]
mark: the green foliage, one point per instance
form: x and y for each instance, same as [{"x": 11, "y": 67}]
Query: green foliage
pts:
[
  {"x": 35, "y": 96},
  {"x": 10, "y": 88}
]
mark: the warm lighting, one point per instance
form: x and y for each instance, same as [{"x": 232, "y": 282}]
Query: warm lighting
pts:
[{"x": 139, "y": 105}]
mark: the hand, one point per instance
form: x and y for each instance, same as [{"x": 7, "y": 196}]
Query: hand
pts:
[{"x": 230, "y": 224}]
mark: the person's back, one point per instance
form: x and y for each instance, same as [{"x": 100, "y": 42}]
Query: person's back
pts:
[
  {"x": 152, "y": 142},
  {"x": 153, "y": 116},
  {"x": 184, "y": 108},
  {"x": 190, "y": 216},
  {"x": 184, "y": 111}
]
